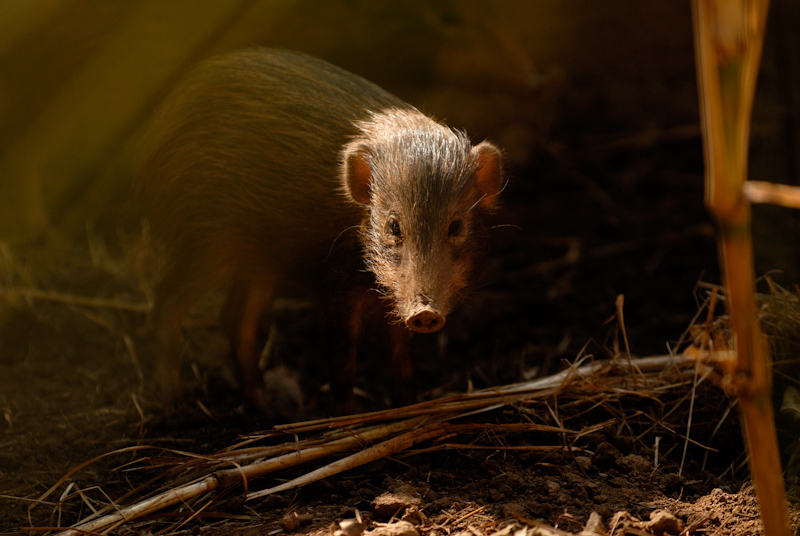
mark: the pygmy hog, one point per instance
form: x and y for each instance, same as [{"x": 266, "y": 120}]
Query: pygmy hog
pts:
[{"x": 267, "y": 170}]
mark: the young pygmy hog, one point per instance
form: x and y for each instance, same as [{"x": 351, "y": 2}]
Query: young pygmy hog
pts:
[{"x": 269, "y": 169}]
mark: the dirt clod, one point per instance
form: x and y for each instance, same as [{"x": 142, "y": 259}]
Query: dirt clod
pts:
[
  {"x": 553, "y": 488},
  {"x": 393, "y": 503},
  {"x": 634, "y": 463},
  {"x": 664, "y": 522},
  {"x": 606, "y": 453},
  {"x": 400, "y": 528},
  {"x": 293, "y": 521},
  {"x": 584, "y": 462}
]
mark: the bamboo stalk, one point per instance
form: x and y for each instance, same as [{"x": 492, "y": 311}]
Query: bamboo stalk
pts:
[{"x": 728, "y": 39}]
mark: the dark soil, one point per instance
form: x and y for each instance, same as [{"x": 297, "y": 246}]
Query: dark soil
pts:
[{"x": 592, "y": 219}]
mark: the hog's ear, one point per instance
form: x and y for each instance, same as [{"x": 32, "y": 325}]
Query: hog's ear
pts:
[
  {"x": 488, "y": 173},
  {"x": 356, "y": 174}
]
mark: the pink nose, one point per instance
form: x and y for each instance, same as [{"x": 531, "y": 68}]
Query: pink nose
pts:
[{"x": 426, "y": 319}]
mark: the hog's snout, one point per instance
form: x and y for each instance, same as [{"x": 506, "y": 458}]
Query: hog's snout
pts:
[{"x": 425, "y": 319}]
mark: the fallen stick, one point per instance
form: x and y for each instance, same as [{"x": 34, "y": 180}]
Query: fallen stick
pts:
[{"x": 427, "y": 421}]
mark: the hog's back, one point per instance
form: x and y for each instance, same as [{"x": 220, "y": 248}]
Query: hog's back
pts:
[{"x": 242, "y": 164}]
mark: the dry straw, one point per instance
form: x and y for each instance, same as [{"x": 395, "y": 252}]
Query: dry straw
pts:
[{"x": 331, "y": 446}]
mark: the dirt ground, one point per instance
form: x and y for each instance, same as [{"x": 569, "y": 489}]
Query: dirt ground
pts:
[{"x": 590, "y": 220}]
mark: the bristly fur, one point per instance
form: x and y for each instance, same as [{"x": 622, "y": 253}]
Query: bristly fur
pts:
[
  {"x": 422, "y": 174},
  {"x": 257, "y": 172}
]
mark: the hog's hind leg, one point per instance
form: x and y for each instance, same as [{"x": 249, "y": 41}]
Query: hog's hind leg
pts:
[
  {"x": 249, "y": 305},
  {"x": 173, "y": 295}
]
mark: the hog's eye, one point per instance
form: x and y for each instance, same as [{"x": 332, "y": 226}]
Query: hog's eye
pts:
[
  {"x": 455, "y": 228},
  {"x": 393, "y": 227}
]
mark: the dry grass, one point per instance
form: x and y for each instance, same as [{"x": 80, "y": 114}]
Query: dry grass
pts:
[{"x": 322, "y": 448}]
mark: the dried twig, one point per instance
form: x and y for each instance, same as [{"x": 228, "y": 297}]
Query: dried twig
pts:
[{"x": 359, "y": 439}]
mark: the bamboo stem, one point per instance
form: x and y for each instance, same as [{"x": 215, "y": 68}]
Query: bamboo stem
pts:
[{"x": 728, "y": 38}]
